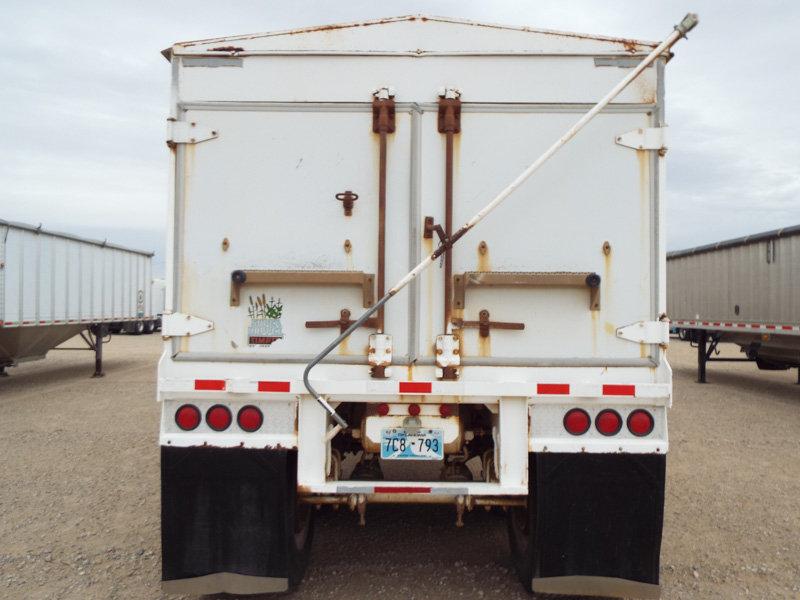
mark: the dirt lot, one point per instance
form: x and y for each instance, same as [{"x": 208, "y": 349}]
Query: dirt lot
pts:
[{"x": 79, "y": 501}]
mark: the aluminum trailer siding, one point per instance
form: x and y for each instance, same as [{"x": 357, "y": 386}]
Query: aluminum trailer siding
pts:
[
  {"x": 744, "y": 291},
  {"x": 54, "y": 286}
]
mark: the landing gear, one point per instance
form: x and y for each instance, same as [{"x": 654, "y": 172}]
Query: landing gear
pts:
[{"x": 98, "y": 331}]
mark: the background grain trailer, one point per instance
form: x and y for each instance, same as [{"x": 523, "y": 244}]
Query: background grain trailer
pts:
[
  {"x": 526, "y": 369},
  {"x": 744, "y": 291},
  {"x": 54, "y": 286}
]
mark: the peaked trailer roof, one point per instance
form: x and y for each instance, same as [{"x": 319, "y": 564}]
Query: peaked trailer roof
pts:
[
  {"x": 69, "y": 236},
  {"x": 775, "y": 234},
  {"x": 413, "y": 35}
]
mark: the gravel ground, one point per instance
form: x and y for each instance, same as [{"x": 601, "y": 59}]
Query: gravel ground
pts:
[{"x": 79, "y": 504}]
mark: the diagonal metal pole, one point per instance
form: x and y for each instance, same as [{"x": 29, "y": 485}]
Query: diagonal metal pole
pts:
[{"x": 680, "y": 31}]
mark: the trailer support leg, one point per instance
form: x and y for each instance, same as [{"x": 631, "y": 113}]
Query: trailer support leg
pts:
[
  {"x": 702, "y": 357},
  {"x": 97, "y": 331}
]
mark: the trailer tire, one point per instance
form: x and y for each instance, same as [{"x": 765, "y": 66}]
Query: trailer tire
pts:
[
  {"x": 137, "y": 328},
  {"x": 149, "y": 327}
]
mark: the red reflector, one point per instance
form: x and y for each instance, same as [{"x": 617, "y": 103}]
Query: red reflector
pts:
[
  {"x": 210, "y": 384},
  {"x": 250, "y": 418},
  {"x": 383, "y": 409},
  {"x": 401, "y": 490},
  {"x": 187, "y": 417},
  {"x": 552, "y": 388},
  {"x": 445, "y": 410},
  {"x": 415, "y": 387},
  {"x": 608, "y": 422},
  {"x": 619, "y": 390},
  {"x": 640, "y": 422},
  {"x": 218, "y": 417},
  {"x": 274, "y": 386},
  {"x": 413, "y": 409},
  {"x": 577, "y": 421}
]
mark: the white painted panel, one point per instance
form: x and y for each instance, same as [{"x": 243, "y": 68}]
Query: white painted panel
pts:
[
  {"x": 593, "y": 191},
  {"x": 352, "y": 79},
  {"x": 268, "y": 184}
]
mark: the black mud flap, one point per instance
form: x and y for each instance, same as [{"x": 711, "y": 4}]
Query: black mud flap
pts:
[
  {"x": 228, "y": 521},
  {"x": 593, "y": 525}
]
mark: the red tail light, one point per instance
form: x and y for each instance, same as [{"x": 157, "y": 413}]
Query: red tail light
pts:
[
  {"x": 577, "y": 421},
  {"x": 250, "y": 418},
  {"x": 187, "y": 417},
  {"x": 218, "y": 417},
  {"x": 608, "y": 422},
  {"x": 413, "y": 409},
  {"x": 383, "y": 409},
  {"x": 445, "y": 410},
  {"x": 640, "y": 422}
]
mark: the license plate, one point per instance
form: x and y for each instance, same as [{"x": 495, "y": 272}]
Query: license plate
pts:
[{"x": 412, "y": 444}]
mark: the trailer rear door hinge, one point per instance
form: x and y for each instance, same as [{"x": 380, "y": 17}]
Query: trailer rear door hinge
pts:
[
  {"x": 645, "y": 332},
  {"x": 645, "y": 138},
  {"x": 181, "y": 324},
  {"x": 188, "y": 132}
]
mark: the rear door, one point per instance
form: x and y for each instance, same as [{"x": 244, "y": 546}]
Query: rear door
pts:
[
  {"x": 261, "y": 198},
  {"x": 589, "y": 210}
]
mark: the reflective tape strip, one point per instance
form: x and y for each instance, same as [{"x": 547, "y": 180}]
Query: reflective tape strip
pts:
[
  {"x": 274, "y": 386},
  {"x": 215, "y": 385},
  {"x": 415, "y": 387},
  {"x": 552, "y": 388},
  {"x": 401, "y": 490},
  {"x": 619, "y": 390}
]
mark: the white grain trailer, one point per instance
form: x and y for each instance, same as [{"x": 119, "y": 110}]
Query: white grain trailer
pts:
[
  {"x": 54, "y": 286},
  {"x": 525, "y": 369},
  {"x": 744, "y": 291}
]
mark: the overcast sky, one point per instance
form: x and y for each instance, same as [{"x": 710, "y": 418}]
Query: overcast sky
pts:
[{"x": 84, "y": 98}]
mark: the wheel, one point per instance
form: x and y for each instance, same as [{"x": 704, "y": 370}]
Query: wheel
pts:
[
  {"x": 137, "y": 328},
  {"x": 520, "y": 538},
  {"x": 149, "y": 327},
  {"x": 683, "y": 334},
  {"x": 300, "y": 524}
]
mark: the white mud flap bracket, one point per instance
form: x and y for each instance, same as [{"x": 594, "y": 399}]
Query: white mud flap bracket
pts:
[
  {"x": 181, "y": 324},
  {"x": 188, "y": 132},
  {"x": 645, "y": 138},
  {"x": 646, "y": 332}
]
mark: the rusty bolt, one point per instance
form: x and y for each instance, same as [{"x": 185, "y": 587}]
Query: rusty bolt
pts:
[
  {"x": 225, "y": 244},
  {"x": 348, "y": 246},
  {"x": 483, "y": 247},
  {"x": 347, "y": 198},
  {"x": 388, "y": 351},
  {"x": 606, "y": 248}
]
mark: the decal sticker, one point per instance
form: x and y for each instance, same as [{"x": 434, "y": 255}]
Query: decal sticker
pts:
[
  {"x": 265, "y": 321},
  {"x": 140, "y": 303}
]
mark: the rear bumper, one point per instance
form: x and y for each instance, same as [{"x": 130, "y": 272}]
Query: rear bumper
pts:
[{"x": 598, "y": 521}]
